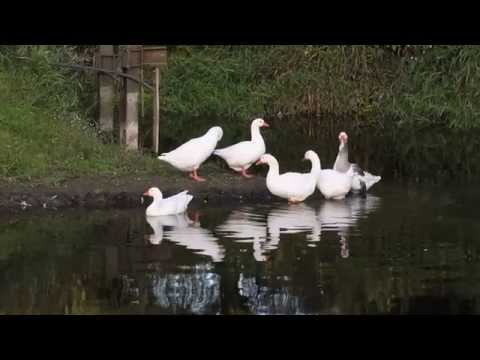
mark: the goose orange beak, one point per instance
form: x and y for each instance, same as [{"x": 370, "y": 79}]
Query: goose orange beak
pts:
[
  {"x": 146, "y": 193},
  {"x": 265, "y": 124}
]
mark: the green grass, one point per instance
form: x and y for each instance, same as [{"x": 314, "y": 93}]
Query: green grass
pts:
[
  {"x": 406, "y": 86},
  {"x": 44, "y": 139},
  {"x": 36, "y": 145}
]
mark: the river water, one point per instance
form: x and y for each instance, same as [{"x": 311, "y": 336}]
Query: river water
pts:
[{"x": 399, "y": 250}]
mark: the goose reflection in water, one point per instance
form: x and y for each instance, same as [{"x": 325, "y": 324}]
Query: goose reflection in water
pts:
[
  {"x": 344, "y": 250},
  {"x": 342, "y": 216},
  {"x": 246, "y": 225},
  {"x": 293, "y": 219},
  {"x": 194, "y": 291},
  {"x": 185, "y": 232},
  {"x": 332, "y": 216}
]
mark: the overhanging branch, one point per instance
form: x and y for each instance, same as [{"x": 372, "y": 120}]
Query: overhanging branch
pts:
[{"x": 112, "y": 73}]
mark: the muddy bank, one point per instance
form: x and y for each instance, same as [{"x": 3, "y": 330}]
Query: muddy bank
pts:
[{"x": 125, "y": 192}]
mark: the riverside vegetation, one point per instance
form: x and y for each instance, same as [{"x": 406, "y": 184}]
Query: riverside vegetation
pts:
[{"x": 412, "y": 111}]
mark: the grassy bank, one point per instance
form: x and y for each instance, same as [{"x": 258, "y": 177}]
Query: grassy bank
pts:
[
  {"x": 412, "y": 111},
  {"x": 45, "y": 134}
]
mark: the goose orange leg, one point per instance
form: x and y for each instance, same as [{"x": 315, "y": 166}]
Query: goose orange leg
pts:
[
  {"x": 195, "y": 176},
  {"x": 244, "y": 174}
]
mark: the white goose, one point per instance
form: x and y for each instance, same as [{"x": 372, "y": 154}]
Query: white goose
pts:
[
  {"x": 362, "y": 180},
  {"x": 175, "y": 204},
  {"x": 334, "y": 184},
  {"x": 295, "y": 187},
  {"x": 242, "y": 155},
  {"x": 189, "y": 156}
]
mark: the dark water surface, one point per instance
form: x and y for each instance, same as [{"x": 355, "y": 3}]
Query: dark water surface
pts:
[{"x": 406, "y": 250}]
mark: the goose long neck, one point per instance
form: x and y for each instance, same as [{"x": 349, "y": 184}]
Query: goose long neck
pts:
[
  {"x": 343, "y": 150},
  {"x": 316, "y": 165},
  {"x": 256, "y": 135},
  {"x": 156, "y": 201},
  {"x": 273, "y": 168},
  {"x": 341, "y": 162}
]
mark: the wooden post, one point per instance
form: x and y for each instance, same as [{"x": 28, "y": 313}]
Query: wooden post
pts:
[
  {"x": 122, "y": 107},
  {"x": 156, "y": 111},
  {"x": 122, "y": 103},
  {"x": 106, "y": 92},
  {"x": 132, "y": 100},
  {"x": 142, "y": 91},
  {"x": 156, "y": 57}
]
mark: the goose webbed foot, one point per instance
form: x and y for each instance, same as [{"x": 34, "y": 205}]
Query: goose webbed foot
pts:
[
  {"x": 193, "y": 175},
  {"x": 245, "y": 175}
]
